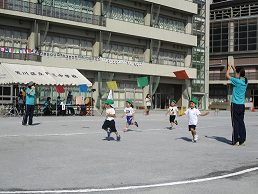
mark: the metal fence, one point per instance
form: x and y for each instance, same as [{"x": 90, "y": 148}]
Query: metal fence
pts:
[
  {"x": 222, "y": 76},
  {"x": 50, "y": 11},
  {"x": 19, "y": 56}
]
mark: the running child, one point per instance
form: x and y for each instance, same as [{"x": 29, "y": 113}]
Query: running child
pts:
[
  {"x": 129, "y": 112},
  {"x": 173, "y": 111},
  {"x": 193, "y": 114},
  {"x": 109, "y": 124}
]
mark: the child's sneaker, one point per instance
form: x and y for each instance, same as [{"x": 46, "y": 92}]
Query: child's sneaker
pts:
[
  {"x": 108, "y": 133},
  {"x": 136, "y": 124},
  {"x": 118, "y": 138},
  {"x": 170, "y": 128},
  {"x": 125, "y": 130},
  {"x": 195, "y": 137},
  {"x": 176, "y": 122}
]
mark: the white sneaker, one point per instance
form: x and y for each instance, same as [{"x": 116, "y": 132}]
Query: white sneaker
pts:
[{"x": 195, "y": 137}]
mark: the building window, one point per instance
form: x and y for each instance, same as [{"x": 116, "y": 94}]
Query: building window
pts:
[
  {"x": 67, "y": 45},
  {"x": 127, "y": 91},
  {"x": 245, "y": 35},
  {"x": 124, "y": 14},
  {"x": 168, "y": 58},
  {"x": 170, "y": 24},
  {"x": 123, "y": 52},
  {"x": 71, "y": 5},
  {"x": 13, "y": 38}
]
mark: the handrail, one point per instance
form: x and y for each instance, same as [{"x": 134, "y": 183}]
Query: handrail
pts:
[{"x": 51, "y": 11}]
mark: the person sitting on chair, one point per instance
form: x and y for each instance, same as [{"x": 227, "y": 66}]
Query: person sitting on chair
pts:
[{"x": 47, "y": 109}]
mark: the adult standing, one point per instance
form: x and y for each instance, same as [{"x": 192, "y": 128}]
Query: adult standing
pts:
[
  {"x": 29, "y": 105},
  {"x": 238, "y": 105},
  {"x": 148, "y": 103}
]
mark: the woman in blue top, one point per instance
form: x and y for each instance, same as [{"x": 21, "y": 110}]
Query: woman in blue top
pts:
[
  {"x": 29, "y": 105},
  {"x": 238, "y": 105}
]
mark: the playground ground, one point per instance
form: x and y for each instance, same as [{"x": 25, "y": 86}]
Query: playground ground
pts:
[{"x": 73, "y": 155}]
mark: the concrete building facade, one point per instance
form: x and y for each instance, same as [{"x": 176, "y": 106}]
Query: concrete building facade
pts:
[
  {"x": 233, "y": 38},
  {"x": 155, "y": 35}
]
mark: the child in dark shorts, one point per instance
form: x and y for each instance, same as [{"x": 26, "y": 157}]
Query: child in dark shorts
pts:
[
  {"x": 109, "y": 124},
  {"x": 193, "y": 114},
  {"x": 173, "y": 112}
]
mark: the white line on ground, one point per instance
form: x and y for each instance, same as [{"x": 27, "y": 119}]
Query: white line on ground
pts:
[{"x": 135, "y": 187}]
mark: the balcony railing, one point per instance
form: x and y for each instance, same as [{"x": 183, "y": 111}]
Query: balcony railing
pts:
[
  {"x": 50, "y": 11},
  {"x": 222, "y": 76},
  {"x": 21, "y": 56}
]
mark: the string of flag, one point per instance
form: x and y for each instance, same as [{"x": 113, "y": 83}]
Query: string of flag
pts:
[{"x": 69, "y": 57}]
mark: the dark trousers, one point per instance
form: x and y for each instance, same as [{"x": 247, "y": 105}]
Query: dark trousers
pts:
[
  {"x": 71, "y": 110},
  {"x": 238, "y": 124},
  {"x": 29, "y": 109}
]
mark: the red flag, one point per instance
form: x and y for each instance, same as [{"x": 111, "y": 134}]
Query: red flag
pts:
[
  {"x": 181, "y": 74},
  {"x": 60, "y": 89}
]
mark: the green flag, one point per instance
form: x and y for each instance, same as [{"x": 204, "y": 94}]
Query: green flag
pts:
[{"x": 142, "y": 81}]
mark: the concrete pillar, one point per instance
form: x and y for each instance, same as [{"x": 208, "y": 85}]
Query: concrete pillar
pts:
[
  {"x": 231, "y": 35},
  {"x": 188, "y": 57},
  {"x": 147, "y": 53},
  {"x": 97, "y": 8},
  {"x": 184, "y": 96},
  {"x": 31, "y": 38},
  {"x": 96, "y": 45},
  {"x": 188, "y": 27},
  {"x": 147, "y": 18},
  {"x": 207, "y": 57}
]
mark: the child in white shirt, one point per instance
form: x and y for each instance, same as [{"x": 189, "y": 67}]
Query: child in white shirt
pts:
[
  {"x": 129, "y": 112},
  {"x": 173, "y": 112},
  {"x": 109, "y": 124},
  {"x": 193, "y": 114}
]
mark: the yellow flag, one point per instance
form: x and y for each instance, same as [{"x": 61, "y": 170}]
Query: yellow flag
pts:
[
  {"x": 182, "y": 110},
  {"x": 112, "y": 85}
]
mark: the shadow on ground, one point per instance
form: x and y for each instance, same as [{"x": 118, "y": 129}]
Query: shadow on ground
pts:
[
  {"x": 185, "y": 138},
  {"x": 36, "y": 124},
  {"x": 220, "y": 139},
  {"x": 109, "y": 139}
]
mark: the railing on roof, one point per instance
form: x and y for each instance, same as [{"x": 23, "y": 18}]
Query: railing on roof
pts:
[
  {"x": 222, "y": 76},
  {"x": 50, "y": 11}
]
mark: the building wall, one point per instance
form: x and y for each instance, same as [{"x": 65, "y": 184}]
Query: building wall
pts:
[{"x": 137, "y": 41}]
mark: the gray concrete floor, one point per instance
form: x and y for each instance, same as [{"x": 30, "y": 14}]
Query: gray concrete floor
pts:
[{"x": 73, "y": 153}]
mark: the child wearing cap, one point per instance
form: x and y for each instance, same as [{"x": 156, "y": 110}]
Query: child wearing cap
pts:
[
  {"x": 109, "y": 124},
  {"x": 193, "y": 114},
  {"x": 173, "y": 112},
  {"x": 129, "y": 112}
]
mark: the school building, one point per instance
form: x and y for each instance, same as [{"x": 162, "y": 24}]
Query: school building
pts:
[
  {"x": 233, "y": 38},
  {"x": 108, "y": 40}
]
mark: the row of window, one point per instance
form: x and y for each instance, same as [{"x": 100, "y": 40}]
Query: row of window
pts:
[
  {"x": 67, "y": 45},
  {"x": 72, "y": 5},
  {"x": 238, "y": 36},
  {"x": 13, "y": 38},
  {"x": 124, "y": 14},
  {"x": 123, "y": 52},
  {"x": 170, "y": 24},
  {"x": 169, "y": 58},
  {"x": 83, "y": 47}
]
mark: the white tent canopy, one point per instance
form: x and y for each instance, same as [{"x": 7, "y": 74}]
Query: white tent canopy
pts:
[{"x": 23, "y": 74}]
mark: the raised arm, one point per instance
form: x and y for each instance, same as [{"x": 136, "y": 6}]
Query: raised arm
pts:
[{"x": 229, "y": 67}]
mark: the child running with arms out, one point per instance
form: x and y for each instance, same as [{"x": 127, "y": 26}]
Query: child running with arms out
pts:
[
  {"x": 109, "y": 124},
  {"x": 173, "y": 111},
  {"x": 193, "y": 114},
  {"x": 129, "y": 112}
]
